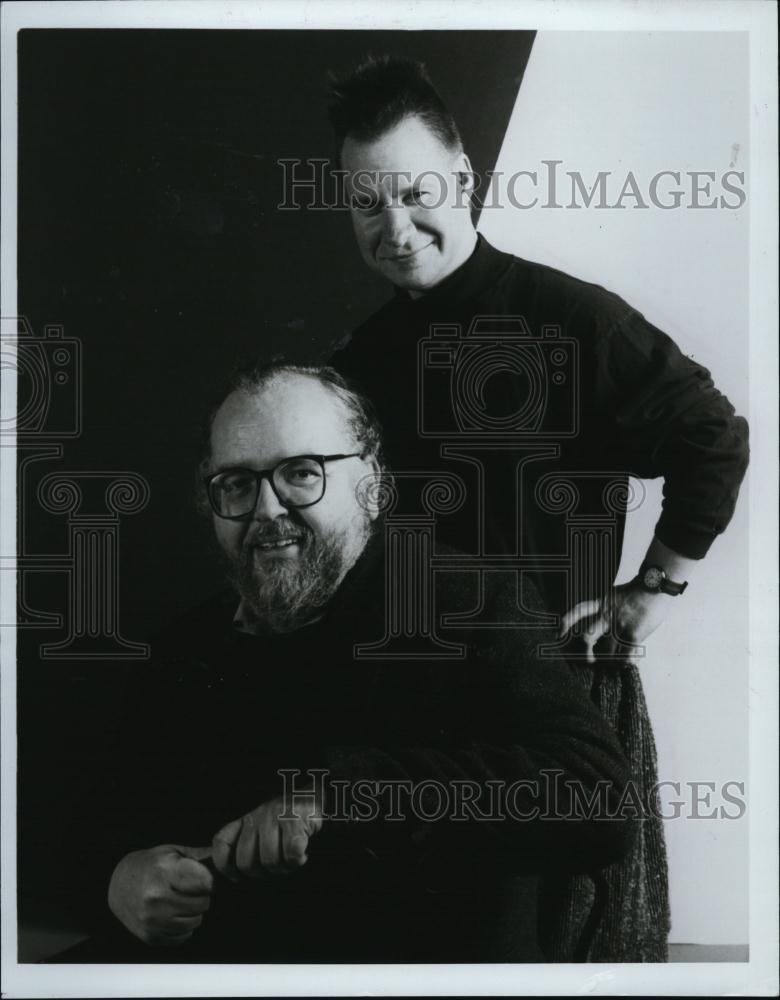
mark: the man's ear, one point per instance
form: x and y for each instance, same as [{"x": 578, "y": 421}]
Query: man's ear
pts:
[
  {"x": 465, "y": 180},
  {"x": 465, "y": 172},
  {"x": 370, "y": 492}
]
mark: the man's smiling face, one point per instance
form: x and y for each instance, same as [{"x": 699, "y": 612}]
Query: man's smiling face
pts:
[
  {"x": 287, "y": 563},
  {"x": 409, "y": 205}
]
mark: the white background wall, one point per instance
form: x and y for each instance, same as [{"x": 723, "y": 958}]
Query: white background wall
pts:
[{"x": 648, "y": 102}]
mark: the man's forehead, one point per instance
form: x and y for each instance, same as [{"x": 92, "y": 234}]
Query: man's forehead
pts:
[
  {"x": 291, "y": 415},
  {"x": 410, "y": 146}
]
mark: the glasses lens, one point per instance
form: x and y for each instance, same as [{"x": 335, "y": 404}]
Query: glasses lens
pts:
[
  {"x": 234, "y": 494},
  {"x": 299, "y": 481}
]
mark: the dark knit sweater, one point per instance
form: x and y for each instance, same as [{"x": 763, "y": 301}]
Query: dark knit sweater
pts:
[{"x": 220, "y": 712}]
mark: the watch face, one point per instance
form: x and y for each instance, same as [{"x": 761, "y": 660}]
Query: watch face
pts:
[{"x": 653, "y": 577}]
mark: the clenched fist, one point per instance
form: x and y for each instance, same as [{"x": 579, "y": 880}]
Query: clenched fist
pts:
[
  {"x": 270, "y": 840},
  {"x": 161, "y": 894}
]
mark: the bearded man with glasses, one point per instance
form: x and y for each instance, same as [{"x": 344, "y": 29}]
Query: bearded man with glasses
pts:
[
  {"x": 274, "y": 794},
  {"x": 284, "y": 571}
]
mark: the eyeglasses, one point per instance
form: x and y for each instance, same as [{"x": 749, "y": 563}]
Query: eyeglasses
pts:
[{"x": 297, "y": 482}]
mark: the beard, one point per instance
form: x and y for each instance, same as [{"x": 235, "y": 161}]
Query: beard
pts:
[{"x": 282, "y": 594}]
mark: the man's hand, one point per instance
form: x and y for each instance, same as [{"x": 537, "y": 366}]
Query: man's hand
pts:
[
  {"x": 629, "y": 609},
  {"x": 271, "y": 840},
  {"x": 161, "y": 894}
]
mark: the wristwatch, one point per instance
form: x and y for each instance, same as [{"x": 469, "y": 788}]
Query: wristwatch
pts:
[{"x": 655, "y": 581}]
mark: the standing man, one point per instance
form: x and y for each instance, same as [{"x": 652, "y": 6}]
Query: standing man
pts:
[
  {"x": 594, "y": 393},
  {"x": 260, "y": 691}
]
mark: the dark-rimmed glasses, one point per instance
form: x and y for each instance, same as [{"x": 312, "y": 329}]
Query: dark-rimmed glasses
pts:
[{"x": 297, "y": 482}]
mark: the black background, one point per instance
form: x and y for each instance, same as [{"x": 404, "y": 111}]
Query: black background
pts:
[{"x": 149, "y": 229}]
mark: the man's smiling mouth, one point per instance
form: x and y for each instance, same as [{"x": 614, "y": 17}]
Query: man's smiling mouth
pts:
[
  {"x": 275, "y": 544},
  {"x": 407, "y": 256}
]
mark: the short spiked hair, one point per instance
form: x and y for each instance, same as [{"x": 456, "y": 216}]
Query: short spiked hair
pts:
[{"x": 381, "y": 92}]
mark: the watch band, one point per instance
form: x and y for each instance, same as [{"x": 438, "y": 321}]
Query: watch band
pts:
[{"x": 655, "y": 580}]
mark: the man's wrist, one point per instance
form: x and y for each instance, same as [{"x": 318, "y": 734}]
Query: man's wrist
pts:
[
  {"x": 655, "y": 580},
  {"x": 678, "y": 569}
]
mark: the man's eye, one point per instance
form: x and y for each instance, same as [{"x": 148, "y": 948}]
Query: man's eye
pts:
[
  {"x": 365, "y": 201},
  {"x": 302, "y": 474},
  {"x": 236, "y": 485},
  {"x": 366, "y": 204},
  {"x": 417, "y": 197}
]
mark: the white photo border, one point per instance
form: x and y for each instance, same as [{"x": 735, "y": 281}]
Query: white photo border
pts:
[{"x": 758, "y": 976}]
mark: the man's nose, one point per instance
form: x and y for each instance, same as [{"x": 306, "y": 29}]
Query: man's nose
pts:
[
  {"x": 267, "y": 506},
  {"x": 398, "y": 225}
]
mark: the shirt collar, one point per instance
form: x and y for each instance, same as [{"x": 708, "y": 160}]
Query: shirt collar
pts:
[{"x": 472, "y": 277}]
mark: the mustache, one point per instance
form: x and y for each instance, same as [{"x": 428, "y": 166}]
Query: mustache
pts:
[{"x": 281, "y": 529}]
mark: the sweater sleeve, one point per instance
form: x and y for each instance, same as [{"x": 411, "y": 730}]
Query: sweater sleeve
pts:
[
  {"x": 528, "y": 777},
  {"x": 672, "y": 422}
]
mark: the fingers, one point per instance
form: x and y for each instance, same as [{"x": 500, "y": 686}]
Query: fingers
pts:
[
  {"x": 294, "y": 844},
  {"x": 190, "y": 877},
  {"x": 257, "y": 849},
  {"x": 597, "y": 627},
  {"x": 261, "y": 844},
  {"x": 248, "y": 861},
  {"x": 270, "y": 840},
  {"x": 189, "y": 906},
  {"x": 196, "y": 853},
  {"x": 223, "y": 849},
  {"x": 582, "y": 610},
  {"x": 288, "y": 839},
  {"x": 594, "y": 624},
  {"x": 171, "y": 918}
]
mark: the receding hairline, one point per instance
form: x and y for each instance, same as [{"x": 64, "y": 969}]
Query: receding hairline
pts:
[{"x": 278, "y": 378}]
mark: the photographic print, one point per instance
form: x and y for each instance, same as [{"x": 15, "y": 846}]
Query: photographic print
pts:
[{"x": 388, "y": 467}]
